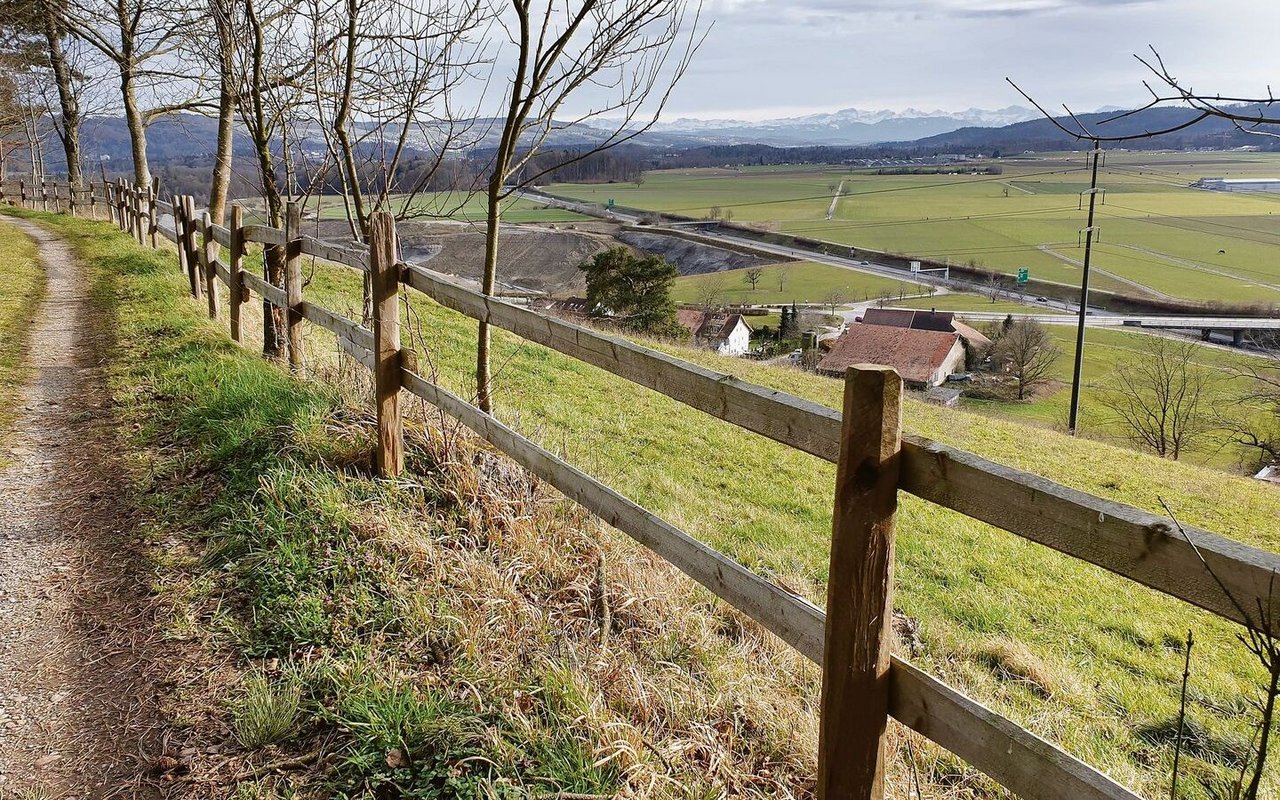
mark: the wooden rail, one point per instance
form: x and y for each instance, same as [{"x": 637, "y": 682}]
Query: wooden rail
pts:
[{"x": 873, "y": 461}]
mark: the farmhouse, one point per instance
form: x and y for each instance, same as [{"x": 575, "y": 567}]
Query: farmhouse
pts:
[
  {"x": 922, "y": 358},
  {"x": 727, "y": 334}
]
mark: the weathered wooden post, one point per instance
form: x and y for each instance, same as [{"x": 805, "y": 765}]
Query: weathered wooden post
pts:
[
  {"x": 22, "y": 192},
  {"x": 176, "y": 204},
  {"x": 388, "y": 459},
  {"x": 93, "y": 202},
  {"x": 122, "y": 217},
  {"x": 855, "y": 663},
  {"x": 208, "y": 256},
  {"x": 139, "y": 212},
  {"x": 153, "y": 213},
  {"x": 194, "y": 272},
  {"x": 293, "y": 285},
  {"x": 71, "y": 198},
  {"x": 235, "y": 267},
  {"x": 44, "y": 195}
]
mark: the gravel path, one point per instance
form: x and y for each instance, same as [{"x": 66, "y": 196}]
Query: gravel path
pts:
[{"x": 76, "y": 709}]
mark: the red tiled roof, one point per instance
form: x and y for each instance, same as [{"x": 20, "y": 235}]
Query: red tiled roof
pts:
[
  {"x": 708, "y": 324},
  {"x": 915, "y": 354}
]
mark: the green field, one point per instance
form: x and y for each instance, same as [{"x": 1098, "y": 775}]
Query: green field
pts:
[
  {"x": 459, "y": 207},
  {"x": 801, "y": 282},
  {"x": 1158, "y": 237}
]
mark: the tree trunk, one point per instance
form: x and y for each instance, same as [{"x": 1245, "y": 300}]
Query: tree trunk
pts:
[
  {"x": 67, "y": 99},
  {"x": 137, "y": 126},
  {"x": 220, "y": 181},
  {"x": 484, "y": 397}
]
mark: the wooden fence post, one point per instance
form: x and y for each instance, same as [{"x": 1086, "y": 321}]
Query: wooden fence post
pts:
[
  {"x": 153, "y": 213},
  {"x": 209, "y": 255},
  {"x": 388, "y": 459},
  {"x": 22, "y": 189},
  {"x": 235, "y": 266},
  {"x": 93, "y": 202},
  {"x": 194, "y": 275},
  {"x": 293, "y": 285},
  {"x": 137, "y": 207},
  {"x": 44, "y": 195},
  {"x": 121, "y": 220},
  {"x": 855, "y": 664}
]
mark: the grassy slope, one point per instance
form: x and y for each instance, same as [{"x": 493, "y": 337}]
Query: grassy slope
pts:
[
  {"x": 1082, "y": 657},
  {"x": 804, "y": 282},
  {"x": 22, "y": 286},
  {"x": 439, "y": 636}
]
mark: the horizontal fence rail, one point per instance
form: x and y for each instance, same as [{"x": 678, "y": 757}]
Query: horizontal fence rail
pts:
[{"x": 1228, "y": 578}]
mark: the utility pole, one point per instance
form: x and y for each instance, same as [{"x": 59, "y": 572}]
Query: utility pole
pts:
[{"x": 1084, "y": 291}]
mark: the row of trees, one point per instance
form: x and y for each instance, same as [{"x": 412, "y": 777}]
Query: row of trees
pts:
[{"x": 377, "y": 99}]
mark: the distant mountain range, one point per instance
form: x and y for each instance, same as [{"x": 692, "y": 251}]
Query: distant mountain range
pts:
[{"x": 847, "y": 127}]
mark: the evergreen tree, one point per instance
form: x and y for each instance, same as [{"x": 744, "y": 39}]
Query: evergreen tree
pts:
[{"x": 635, "y": 291}]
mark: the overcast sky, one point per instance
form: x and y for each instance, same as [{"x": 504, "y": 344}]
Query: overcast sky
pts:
[{"x": 770, "y": 58}]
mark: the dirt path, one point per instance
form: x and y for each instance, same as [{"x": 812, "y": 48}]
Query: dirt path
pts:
[{"x": 76, "y": 706}]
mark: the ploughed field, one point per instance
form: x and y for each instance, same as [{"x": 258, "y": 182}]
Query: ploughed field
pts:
[{"x": 1158, "y": 236}]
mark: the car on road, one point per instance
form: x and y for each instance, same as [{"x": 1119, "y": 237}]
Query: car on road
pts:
[{"x": 1042, "y": 299}]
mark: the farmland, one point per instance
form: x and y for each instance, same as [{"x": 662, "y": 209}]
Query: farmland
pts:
[
  {"x": 1158, "y": 237},
  {"x": 802, "y": 282}
]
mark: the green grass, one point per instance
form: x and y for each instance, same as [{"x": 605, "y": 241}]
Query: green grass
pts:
[
  {"x": 437, "y": 636},
  {"x": 1105, "y": 649},
  {"x": 1084, "y": 658},
  {"x": 1155, "y": 231},
  {"x": 22, "y": 287},
  {"x": 448, "y": 205},
  {"x": 801, "y": 282}
]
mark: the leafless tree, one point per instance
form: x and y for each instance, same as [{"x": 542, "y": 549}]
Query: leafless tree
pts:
[
  {"x": 1252, "y": 417},
  {"x": 993, "y": 285},
  {"x": 752, "y": 276},
  {"x": 834, "y": 298},
  {"x": 632, "y": 50},
  {"x": 141, "y": 39},
  {"x": 1162, "y": 397},
  {"x": 383, "y": 82},
  {"x": 783, "y": 271},
  {"x": 1027, "y": 352},
  {"x": 711, "y": 292}
]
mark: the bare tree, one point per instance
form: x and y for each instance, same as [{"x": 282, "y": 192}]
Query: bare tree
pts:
[
  {"x": 1162, "y": 398},
  {"x": 1252, "y": 418},
  {"x": 141, "y": 40},
  {"x": 783, "y": 271},
  {"x": 993, "y": 285},
  {"x": 711, "y": 292},
  {"x": 383, "y": 82},
  {"x": 834, "y": 298},
  {"x": 634, "y": 49},
  {"x": 1027, "y": 352},
  {"x": 752, "y": 276}
]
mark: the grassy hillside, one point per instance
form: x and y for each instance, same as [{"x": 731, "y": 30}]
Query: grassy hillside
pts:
[
  {"x": 22, "y": 284},
  {"x": 1081, "y": 657}
]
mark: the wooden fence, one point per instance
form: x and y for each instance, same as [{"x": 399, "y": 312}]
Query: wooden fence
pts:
[{"x": 863, "y": 683}]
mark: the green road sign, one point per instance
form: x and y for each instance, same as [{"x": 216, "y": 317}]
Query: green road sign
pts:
[
  {"x": 610, "y": 202},
  {"x": 1024, "y": 275}
]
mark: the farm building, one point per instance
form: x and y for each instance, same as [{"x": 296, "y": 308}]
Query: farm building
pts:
[
  {"x": 727, "y": 334},
  {"x": 923, "y": 358},
  {"x": 943, "y": 321},
  {"x": 1239, "y": 184}
]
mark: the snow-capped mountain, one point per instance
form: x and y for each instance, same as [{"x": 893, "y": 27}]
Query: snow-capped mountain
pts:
[{"x": 850, "y": 126}]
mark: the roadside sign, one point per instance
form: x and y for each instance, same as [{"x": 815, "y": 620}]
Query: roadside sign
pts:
[
  {"x": 1024, "y": 275},
  {"x": 610, "y": 205}
]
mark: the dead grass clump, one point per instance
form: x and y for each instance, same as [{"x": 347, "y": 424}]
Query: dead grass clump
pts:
[{"x": 1014, "y": 662}]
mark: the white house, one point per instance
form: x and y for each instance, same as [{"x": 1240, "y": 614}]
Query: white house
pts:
[{"x": 727, "y": 334}]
